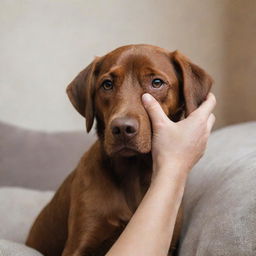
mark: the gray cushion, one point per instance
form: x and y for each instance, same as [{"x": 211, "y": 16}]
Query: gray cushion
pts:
[
  {"x": 220, "y": 198},
  {"x": 36, "y": 159},
  {"x": 9, "y": 248},
  {"x": 18, "y": 209}
]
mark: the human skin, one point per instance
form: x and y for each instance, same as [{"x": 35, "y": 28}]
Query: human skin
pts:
[{"x": 176, "y": 148}]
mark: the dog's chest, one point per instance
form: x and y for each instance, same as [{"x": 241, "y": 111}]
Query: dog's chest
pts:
[{"x": 133, "y": 191}]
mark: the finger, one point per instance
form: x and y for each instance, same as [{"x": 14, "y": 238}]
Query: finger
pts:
[
  {"x": 210, "y": 122},
  {"x": 208, "y": 105},
  {"x": 206, "y": 108},
  {"x": 154, "y": 109}
]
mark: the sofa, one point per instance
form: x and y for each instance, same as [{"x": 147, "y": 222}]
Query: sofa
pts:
[{"x": 219, "y": 200}]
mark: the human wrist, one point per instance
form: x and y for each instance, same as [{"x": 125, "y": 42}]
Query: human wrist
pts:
[
  {"x": 168, "y": 186},
  {"x": 170, "y": 164},
  {"x": 170, "y": 171}
]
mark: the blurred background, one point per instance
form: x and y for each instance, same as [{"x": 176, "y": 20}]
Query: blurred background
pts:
[{"x": 45, "y": 43}]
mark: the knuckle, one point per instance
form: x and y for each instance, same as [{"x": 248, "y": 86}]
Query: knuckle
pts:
[
  {"x": 201, "y": 122},
  {"x": 160, "y": 124},
  {"x": 152, "y": 107},
  {"x": 213, "y": 99}
]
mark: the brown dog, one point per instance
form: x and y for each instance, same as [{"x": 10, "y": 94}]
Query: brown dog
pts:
[{"x": 96, "y": 201}]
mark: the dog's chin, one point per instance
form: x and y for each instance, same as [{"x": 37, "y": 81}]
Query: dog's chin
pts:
[{"x": 127, "y": 151}]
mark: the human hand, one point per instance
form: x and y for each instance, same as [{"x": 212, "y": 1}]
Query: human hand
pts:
[{"x": 179, "y": 144}]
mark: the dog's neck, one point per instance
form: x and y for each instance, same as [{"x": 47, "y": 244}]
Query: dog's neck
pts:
[{"x": 132, "y": 175}]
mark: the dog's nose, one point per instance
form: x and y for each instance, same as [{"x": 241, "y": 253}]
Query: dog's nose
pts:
[{"x": 124, "y": 126}]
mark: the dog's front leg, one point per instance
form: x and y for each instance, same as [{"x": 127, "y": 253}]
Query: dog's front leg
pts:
[{"x": 89, "y": 235}]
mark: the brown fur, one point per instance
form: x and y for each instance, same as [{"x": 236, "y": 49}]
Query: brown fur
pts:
[{"x": 97, "y": 200}]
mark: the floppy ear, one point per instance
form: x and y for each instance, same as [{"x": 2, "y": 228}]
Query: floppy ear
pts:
[
  {"x": 195, "y": 81},
  {"x": 81, "y": 92}
]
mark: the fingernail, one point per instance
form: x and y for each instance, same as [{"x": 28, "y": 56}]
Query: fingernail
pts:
[{"x": 146, "y": 97}]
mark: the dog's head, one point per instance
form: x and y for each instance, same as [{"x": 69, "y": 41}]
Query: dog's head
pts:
[{"x": 110, "y": 89}]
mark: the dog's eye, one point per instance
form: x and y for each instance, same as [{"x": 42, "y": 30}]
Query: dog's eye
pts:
[
  {"x": 157, "y": 83},
  {"x": 107, "y": 85}
]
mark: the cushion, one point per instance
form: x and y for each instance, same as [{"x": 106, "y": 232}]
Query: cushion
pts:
[
  {"x": 18, "y": 209},
  {"x": 9, "y": 248},
  {"x": 220, "y": 197},
  {"x": 39, "y": 160}
]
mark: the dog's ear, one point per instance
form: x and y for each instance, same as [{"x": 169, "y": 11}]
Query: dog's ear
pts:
[
  {"x": 195, "y": 81},
  {"x": 81, "y": 93}
]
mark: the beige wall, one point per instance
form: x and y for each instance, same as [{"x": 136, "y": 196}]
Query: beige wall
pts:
[
  {"x": 44, "y": 44},
  {"x": 238, "y": 93}
]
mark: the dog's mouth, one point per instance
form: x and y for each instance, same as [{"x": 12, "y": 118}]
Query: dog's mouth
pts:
[{"x": 125, "y": 151}]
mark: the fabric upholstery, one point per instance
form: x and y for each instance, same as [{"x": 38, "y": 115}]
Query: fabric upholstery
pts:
[
  {"x": 39, "y": 160},
  {"x": 10, "y": 248},
  {"x": 220, "y": 198},
  {"x": 18, "y": 209}
]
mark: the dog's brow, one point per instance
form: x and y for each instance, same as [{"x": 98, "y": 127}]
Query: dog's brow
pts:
[
  {"x": 115, "y": 71},
  {"x": 154, "y": 72}
]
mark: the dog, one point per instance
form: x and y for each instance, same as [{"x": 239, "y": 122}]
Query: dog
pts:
[{"x": 96, "y": 201}]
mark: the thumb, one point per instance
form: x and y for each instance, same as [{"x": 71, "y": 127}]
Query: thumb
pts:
[{"x": 154, "y": 110}]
